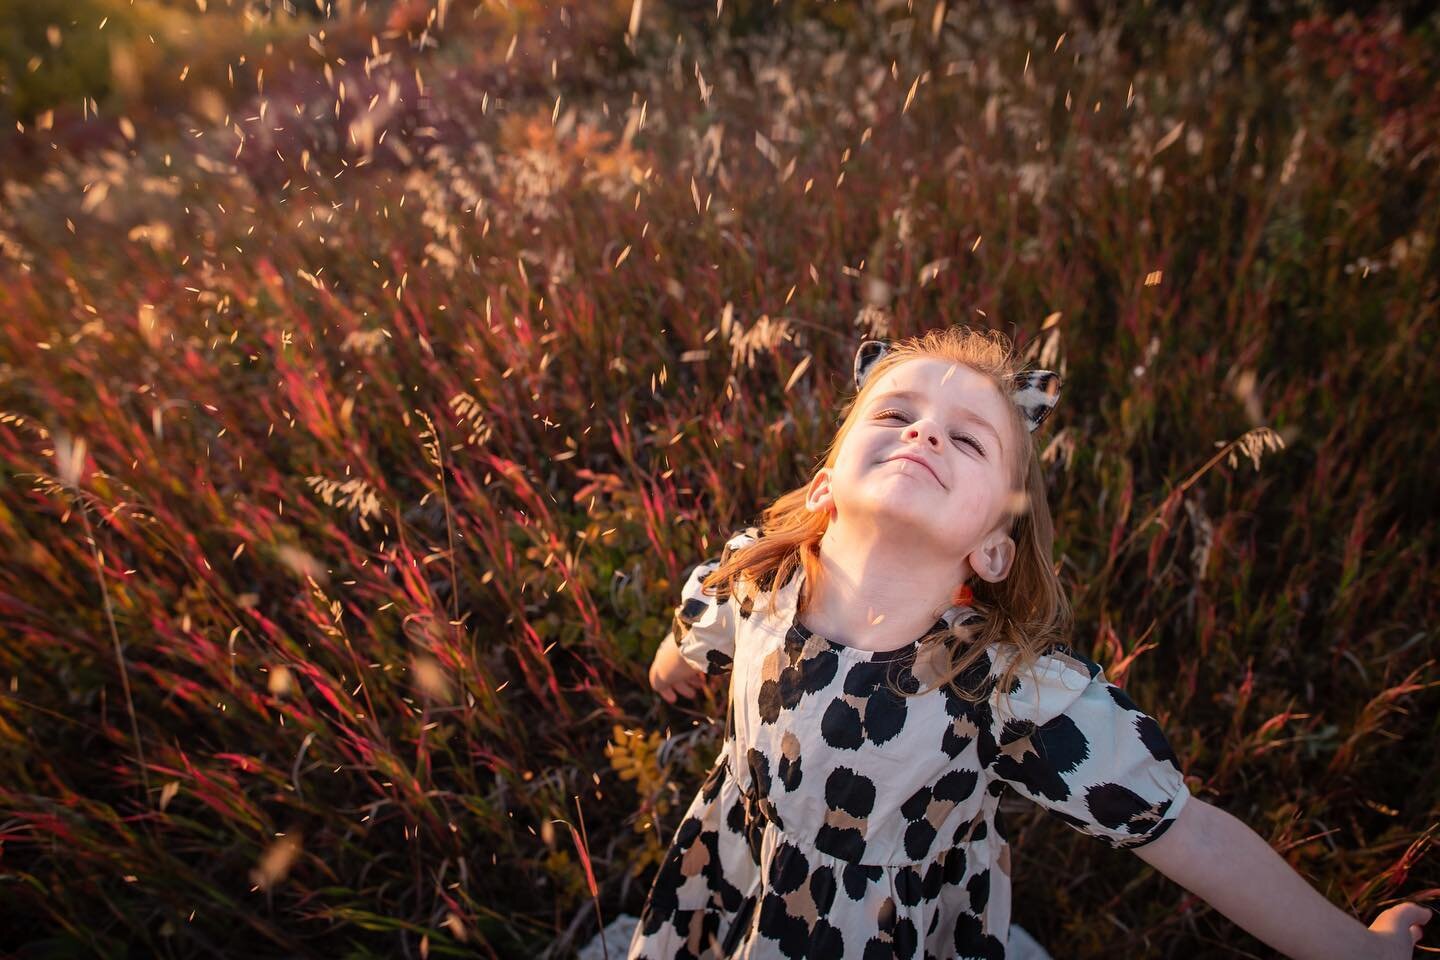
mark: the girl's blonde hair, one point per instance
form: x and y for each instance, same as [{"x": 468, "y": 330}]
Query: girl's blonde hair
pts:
[{"x": 1026, "y": 612}]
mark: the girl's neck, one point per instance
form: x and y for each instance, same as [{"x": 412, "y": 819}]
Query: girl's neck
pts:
[{"x": 876, "y": 594}]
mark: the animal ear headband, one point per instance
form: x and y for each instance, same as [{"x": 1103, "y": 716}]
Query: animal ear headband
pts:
[{"x": 1035, "y": 392}]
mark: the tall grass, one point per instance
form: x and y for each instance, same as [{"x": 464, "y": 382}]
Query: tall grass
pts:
[{"x": 349, "y": 479}]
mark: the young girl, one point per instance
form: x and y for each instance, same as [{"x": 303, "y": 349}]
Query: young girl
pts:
[{"x": 895, "y": 640}]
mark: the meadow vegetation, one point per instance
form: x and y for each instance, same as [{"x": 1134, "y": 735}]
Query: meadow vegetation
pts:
[{"x": 370, "y": 383}]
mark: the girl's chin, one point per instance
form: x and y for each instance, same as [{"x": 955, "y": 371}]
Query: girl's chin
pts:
[{"x": 913, "y": 508}]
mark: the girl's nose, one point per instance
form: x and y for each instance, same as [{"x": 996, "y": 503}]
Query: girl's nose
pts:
[{"x": 913, "y": 431}]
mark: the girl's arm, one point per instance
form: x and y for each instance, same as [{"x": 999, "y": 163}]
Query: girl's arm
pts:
[{"x": 1221, "y": 860}]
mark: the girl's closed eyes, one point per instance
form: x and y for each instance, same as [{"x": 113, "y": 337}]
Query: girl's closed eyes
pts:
[{"x": 957, "y": 437}]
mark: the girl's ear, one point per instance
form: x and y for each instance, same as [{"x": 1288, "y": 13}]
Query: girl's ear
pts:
[
  {"x": 865, "y": 357},
  {"x": 993, "y": 559},
  {"x": 818, "y": 498}
]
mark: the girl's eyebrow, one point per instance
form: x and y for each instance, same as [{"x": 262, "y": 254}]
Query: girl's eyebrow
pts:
[{"x": 974, "y": 418}]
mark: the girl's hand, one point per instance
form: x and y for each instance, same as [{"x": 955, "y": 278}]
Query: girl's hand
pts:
[
  {"x": 1398, "y": 929},
  {"x": 672, "y": 674}
]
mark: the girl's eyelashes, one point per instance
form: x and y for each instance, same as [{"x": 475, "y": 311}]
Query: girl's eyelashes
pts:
[{"x": 897, "y": 415}]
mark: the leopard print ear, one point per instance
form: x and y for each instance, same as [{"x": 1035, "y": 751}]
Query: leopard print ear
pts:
[
  {"x": 1035, "y": 392},
  {"x": 865, "y": 357}
]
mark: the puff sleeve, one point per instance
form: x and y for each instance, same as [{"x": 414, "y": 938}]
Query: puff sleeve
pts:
[
  {"x": 1079, "y": 746},
  {"x": 704, "y": 626}
]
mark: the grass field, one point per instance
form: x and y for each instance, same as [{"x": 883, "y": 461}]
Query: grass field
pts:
[{"x": 365, "y": 398}]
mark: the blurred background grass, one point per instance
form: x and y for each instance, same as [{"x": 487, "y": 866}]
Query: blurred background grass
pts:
[{"x": 371, "y": 375}]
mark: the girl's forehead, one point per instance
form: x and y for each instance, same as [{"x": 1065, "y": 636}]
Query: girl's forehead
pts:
[{"x": 939, "y": 378}]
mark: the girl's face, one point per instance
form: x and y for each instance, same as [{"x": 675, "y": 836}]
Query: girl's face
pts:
[{"x": 926, "y": 458}]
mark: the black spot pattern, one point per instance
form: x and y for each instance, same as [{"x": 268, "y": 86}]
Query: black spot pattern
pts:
[
  {"x": 1041, "y": 759},
  {"x": 918, "y": 837},
  {"x": 850, "y": 791},
  {"x": 717, "y": 662},
  {"x": 1121, "y": 698},
  {"x": 849, "y": 797},
  {"x": 790, "y": 771},
  {"x": 971, "y": 940},
  {"x": 1120, "y": 808},
  {"x": 857, "y": 876},
  {"x": 823, "y": 888},
  {"x": 789, "y": 869},
  {"x": 1154, "y": 739},
  {"x": 930, "y": 806},
  {"x": 691, "y": 610},
  {"x": 979, "y": 889},
  {"x": 847, "y": 843},
  {"x": 806, "y": 667},
  {"x": 867, "y": 709}
]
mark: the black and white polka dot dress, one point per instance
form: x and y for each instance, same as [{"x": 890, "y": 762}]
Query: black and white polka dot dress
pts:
[{"x": 841, "y": 820}]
